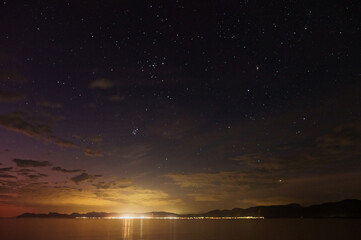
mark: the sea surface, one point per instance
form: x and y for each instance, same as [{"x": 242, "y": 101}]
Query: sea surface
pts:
[{"x": 154, "y": 229}]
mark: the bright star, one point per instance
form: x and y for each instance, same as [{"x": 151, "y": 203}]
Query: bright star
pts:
[{"x": 135, "y": 131}]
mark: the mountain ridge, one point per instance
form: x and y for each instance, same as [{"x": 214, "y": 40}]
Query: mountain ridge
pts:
[{"x": 347, "y": 208}]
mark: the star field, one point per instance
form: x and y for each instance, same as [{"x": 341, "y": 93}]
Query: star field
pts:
[{"x": 179, "y": 105}]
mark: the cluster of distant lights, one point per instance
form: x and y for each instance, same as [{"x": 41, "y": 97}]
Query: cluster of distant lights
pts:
[{"x": 170, "y": 218}]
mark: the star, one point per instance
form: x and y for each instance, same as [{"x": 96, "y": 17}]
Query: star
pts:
[{"x": 135, "y": 131}]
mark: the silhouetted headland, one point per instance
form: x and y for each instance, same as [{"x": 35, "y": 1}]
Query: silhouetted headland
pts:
[{"x": 348, "y": 208}]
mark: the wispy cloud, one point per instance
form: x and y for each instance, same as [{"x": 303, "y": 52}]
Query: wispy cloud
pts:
[
  {"x": 174, "y": 128},
  {"x": 12, "y": 76},
  {"x": 60, "y": 169},
  {"x": 208, "y": 180},
  {"x": 48, "y": 104},
  {"x": 91, "y": 152},
  {"x": 6, "y": 176},
  {"x": 132, "y": 195},
  {"x": 5, "y": 169},
  {"x": 30, "y": 163},
  {"x": 136, "y": 153},
  {"x": 116, "y": 98},
  {"x": 83, "y": 177},
  {"x": 10, "y": 97},
  {"x": 96, "y": 139},
  {"x": 36, "y": 176},
  {"x": 102, "y": 83},
  {"x": 347, "y": 135},
  {"x": 119, "y": 183},
  {"x": 15, "y": 122}
]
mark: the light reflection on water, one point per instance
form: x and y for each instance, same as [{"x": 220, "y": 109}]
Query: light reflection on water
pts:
[
  {"x": 133, "y": 229},
  {"x": 127, "y": 229},
  {"x": 148, "y": 229},
  {"x": 141, "y": 229}
]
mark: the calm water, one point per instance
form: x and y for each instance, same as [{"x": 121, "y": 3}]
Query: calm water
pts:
[{"x": 290, "y": 229}]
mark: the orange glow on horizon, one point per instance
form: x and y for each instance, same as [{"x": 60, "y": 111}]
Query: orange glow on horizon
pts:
[{"x": 7, "y": 210}]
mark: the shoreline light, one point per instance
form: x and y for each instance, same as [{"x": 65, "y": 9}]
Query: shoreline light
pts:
[{"x": 172, "y": 218}]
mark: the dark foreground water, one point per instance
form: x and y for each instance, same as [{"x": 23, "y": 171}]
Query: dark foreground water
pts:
[{"x": 152, "y": 229}]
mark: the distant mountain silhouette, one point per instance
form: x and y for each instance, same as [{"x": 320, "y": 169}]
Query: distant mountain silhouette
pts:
[
  {"x": 348, "y": 208},
  {"x": 278, "y": 211}
]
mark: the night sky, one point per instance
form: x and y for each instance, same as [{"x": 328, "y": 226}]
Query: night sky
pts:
[{"x": 182, "y": 106}]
